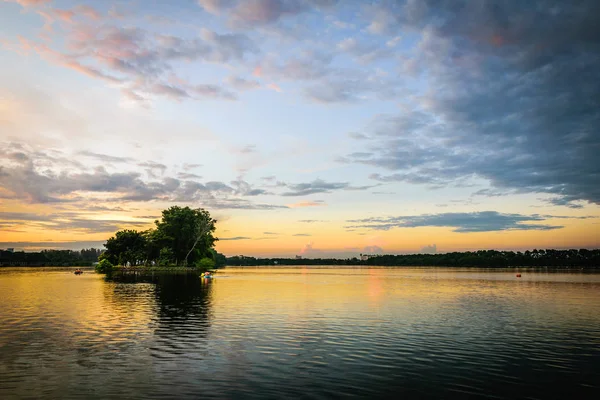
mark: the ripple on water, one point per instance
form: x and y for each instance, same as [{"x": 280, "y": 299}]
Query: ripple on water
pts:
[{"x": 299, "y": 333}]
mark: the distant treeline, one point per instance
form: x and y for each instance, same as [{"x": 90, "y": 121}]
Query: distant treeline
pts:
[
  {"x": 58, "y": 258},
  {"x": 483, "y": 258}
]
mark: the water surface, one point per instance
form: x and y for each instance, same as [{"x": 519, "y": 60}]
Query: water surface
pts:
[{"x": 300, "y": 332}]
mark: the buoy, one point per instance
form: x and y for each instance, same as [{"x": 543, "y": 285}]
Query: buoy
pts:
[{"x": 518, "y": 275}]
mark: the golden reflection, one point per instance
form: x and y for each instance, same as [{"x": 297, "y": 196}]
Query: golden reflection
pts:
[{"x": 291, "y": 294}]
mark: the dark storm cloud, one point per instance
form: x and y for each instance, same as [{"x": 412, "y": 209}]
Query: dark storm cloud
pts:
[
  {"x": 484, "y": 221},
  {"x": 516, "y": 99}
]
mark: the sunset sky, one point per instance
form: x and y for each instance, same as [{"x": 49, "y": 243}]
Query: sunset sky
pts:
[{"x": 315, "y": 127}]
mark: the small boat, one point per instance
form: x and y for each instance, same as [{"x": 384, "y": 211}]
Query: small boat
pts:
[
  {"x": 206, "y": 275},
  {"x": 78, "y": 272}
]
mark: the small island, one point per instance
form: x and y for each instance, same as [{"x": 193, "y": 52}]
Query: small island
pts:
[{"x": 182, "y": 240}]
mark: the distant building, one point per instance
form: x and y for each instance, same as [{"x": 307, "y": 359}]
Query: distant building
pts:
[
  {"x": 11, "y": 249},
  {"x": 298, "y": 257},
  {"x": 365, "y": 257}
]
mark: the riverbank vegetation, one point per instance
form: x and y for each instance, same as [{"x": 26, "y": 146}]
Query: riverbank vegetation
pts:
[
  {"x": 582, "y": 258},
  {"x": 57, "y": 258}
]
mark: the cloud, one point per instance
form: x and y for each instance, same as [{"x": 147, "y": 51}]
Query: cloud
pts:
[
  {"x": 67, "y": 221},
  {"x": 236, "y": 238},
  {"x": 152, "y": 166},
  {"x": 352, "y": 86},
  {"x": 372, "y": 250},
  {"x": 29, "y": 3},
  {"x": 307, "y": 204},
  {"x": 484, "y": 221},
  {"x": 301, "y": 234},
  {"x": 144, "y": 64},
  {"x": 87, "y": 11},
  {"x": 309, "y": 250},
  {"x": 316, "y": 186},
  {"x": 243, "y": 188},
  {"x": 515, "y": 99},
  {"x": 188, "y": 176},
  {"x": 38, "y": 178},
  {"x": 251, "y": 148},
  {"x": 189, "y": 166},
  {"x": 429, "y": 249},
  {"x": 105, "y": 157},
  {"x": 365, "y": 53},
  {"x": 563, "y": 201},
  {"x": 270, "y": 233},
  {"x": 242, "y": 84},
  {"x": 255, "y": 13}
]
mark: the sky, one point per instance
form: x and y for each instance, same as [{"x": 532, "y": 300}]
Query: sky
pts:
[{"x": 319, "y": 128}]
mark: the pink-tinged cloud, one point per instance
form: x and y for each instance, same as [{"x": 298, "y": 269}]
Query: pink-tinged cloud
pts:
[
  {"x": 274, "y": 87},
  {"x": 60, "y": 59},
  {"x": 308, "y": 249},
  {"x": 215, "y": 7},
  {"x": 89, "y": 71},
  {"x": 257, "y": 71},
  {"x": 63, "y": 15},
  {"x": 372, "y": 249},
  {"x": 88, "y": 12},
  {"x": 307, "y": 204},
  {"x": 28, "y": 3}
]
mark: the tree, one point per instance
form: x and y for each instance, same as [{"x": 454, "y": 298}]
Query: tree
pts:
[
  {"x": 187, "y": 232},
  {"x": 205, "y": 264},
  {"x": 104, "y": 266},
  {"x": 220, "y": 259},
  {"x": 127, "y": 246}
]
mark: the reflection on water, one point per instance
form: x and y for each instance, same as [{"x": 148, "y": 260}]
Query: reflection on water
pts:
[{"x": 305, "y": 332}]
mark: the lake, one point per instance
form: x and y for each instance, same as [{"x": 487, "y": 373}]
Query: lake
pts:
[{"x": 300, "y": 333}]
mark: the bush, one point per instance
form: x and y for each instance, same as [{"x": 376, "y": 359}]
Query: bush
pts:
[
  {"x": 104, "y": 266},
  {"x": 205, "y": 264},
  {"x": 166, "y": 257}
]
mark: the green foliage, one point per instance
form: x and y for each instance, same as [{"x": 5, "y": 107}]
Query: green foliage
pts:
[
  {"x": 165, "y": 257},
  {"x": 483, "y": 258},
  {"x": 50, "y": 257},
  {"x": 184, "y": 230},
  {"x": 220, "y": 259},
  {"x": 104, "y": 266},
  {"x": 205, "y": 264},
  {"x": 127, "y": 246},
  {"x": 182, "y": 237}
]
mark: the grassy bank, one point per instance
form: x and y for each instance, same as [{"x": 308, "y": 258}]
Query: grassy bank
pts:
[{"x": 171, "y": 269}]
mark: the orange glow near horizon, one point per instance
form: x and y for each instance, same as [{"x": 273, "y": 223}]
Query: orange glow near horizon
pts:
[{"x": 263, "y": 234}]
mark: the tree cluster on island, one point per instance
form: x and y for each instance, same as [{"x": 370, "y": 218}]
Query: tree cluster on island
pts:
[
  {"x": 182, "y": 238},
  {"x": 581, "y": 258}
]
